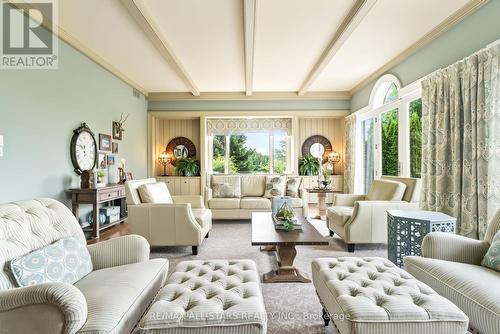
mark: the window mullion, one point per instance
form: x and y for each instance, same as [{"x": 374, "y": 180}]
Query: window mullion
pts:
[
  {"x": 227, "y": 155},
  {"x": 271, "y": 154}
]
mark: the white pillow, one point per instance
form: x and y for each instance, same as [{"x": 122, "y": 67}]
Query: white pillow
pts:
[{"x": 155, "y": 193}]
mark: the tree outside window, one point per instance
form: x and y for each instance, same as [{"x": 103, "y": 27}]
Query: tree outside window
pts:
[{"x": 416, "y": 138}]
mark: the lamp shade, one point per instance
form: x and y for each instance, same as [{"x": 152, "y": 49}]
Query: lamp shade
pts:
[
  {"x": 164, "y": 158},
  {"x": 333, "y": 157}
]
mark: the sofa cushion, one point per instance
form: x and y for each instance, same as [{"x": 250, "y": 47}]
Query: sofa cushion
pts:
[
  {"x": 202, "y": 216},
  {"x": 253, "y": 185},
  {"x": 155, "y": 193},
  {"x": 234, "y": 182},
  {"x": 255, "y": 203},
  {"x": 492, "y": 257},
  {"x": 66, "y": 260},
  {"x": 292, "y": 186},
  {"x": 470, "y": 287},
  {"x": 339, "y": 215},
  {"x": 224, "y": 190},
  {"x": 275, "y": 186},
  {"x": 224, "y": 203},
  {"x": 118, "y": 296},
  {"x": 385, "y": 190}
]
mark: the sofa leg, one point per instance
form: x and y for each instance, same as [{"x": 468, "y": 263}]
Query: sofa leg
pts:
[
  {"x": 351, "y": 247},
  {"x": 195, "y": 250},
  {"x": 332, "y": 233},
  {"x": 326, "y": 317},
  {"x": 207, "y": 235}
]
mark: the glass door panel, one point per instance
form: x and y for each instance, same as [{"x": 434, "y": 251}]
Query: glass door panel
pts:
[
  {"x": 389, "y": 139},
  {"x": 416, "y": 138},
  {"x": 367, "y": 128}
]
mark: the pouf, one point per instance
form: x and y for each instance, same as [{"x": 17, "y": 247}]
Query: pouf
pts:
[
  {"x": 217, "y": 296},
  {"x": 372, "y": 295}
]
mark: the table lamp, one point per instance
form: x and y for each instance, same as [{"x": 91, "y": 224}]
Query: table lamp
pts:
[
  {"x": 164, "y": 159},
  {"x": 332, "y": 158}
]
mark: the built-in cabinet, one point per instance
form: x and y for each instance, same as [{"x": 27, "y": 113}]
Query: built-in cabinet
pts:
[
  {"x": 312, "y": 182},
  {"x": 182, "y": 185}
]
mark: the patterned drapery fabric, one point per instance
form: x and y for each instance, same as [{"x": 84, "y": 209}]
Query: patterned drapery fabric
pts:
[
  {"x": 349, "y": 154},
  {"x": 461, "y": 141},
  {"x": 228, "y": 126}
]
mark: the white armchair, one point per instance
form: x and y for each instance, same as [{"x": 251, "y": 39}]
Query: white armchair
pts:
[
  {"x": 184, "y": 222},
  {"x": 363, "y": 218}
]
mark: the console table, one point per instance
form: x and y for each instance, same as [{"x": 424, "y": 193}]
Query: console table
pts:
[{"x": 99, "y": 197}]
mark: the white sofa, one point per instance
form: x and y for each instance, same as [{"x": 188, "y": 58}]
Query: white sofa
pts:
[
  {"x": 362, "y": 219},
  {"x": 251, "y": 200},
  {"x": 451, "y": 265},
  {"x": 184, "y": 222},
  {"x": 110, "y": 299}
]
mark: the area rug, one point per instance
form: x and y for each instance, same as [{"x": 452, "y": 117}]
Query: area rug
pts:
[{"x": 291, "y": 307}]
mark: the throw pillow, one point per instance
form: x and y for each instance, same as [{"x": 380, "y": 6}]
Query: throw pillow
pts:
[
  {"x": 155, "y": 193},
  {"x": 492, "y": 257},
  {"x": 292, "y": 186},
  {"x": 66, "y": 260},
  {"x": 275, "y": 186},
  {"x": 224, "y": 190}
]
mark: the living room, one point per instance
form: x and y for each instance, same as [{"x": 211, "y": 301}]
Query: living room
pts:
[{"x": 250, "y": 166}]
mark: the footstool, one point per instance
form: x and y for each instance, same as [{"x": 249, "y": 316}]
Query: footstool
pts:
[
  {"x": 215, "y": 296},
  {"x": 372, "y": 295}
]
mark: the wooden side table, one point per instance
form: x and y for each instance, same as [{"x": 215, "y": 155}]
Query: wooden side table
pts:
[
  {"x": 99, "y": 197},
  {"x": 321, "y": 192}
]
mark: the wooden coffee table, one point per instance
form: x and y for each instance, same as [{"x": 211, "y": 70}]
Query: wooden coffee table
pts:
[{"x": 283, "y": 243}]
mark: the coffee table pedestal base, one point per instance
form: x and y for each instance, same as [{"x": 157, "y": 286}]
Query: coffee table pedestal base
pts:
[{"x": 286, "y": 272}]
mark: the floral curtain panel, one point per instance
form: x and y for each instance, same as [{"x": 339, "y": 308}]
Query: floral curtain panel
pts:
[
  {"x": 228, "y": 126},
  {"x": 461, "y": 141},
  {"x": 349, "y": 154}
]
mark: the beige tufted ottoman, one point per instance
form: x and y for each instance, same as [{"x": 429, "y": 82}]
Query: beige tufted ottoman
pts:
[
  {"x": 219, "y": 297},
  {"x": 372, "y": 295}
]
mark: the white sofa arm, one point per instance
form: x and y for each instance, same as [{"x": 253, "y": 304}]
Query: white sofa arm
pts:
[
  {"x": 346, "y": 199},
  {"x": 196, "y": 201},
  {"x": 453, "y": 247},
  {"x": 42, "y": 308},
  {"x": 119, "y": 251}
]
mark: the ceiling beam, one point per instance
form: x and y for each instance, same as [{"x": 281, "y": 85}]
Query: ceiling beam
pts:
[
  {"x": 138, "y": 10},
  {"x": 249, "y": 21},
  {"x": 228, "y": 96},
  {"x": 348, "y": 25}
]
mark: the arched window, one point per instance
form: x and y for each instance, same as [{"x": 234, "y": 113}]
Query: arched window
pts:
[
  {"x": 392, "y": 94},
  {"x": 386, "y": 90}
]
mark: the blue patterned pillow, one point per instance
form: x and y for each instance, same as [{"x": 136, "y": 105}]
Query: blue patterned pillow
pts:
[
  {"x": 492, "y": 257},
  {"x": 66, "y": 260}
]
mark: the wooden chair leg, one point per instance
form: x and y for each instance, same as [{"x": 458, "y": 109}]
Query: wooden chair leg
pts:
[
  {"x": 195, "y": 250},
  {"x": 351, "y": 247},
  {"x": 332, "y": 233},
  {"x": 207, "y": 235}
]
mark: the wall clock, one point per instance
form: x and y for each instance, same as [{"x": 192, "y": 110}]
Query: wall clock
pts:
[
  {"x": 83, "y": 149},
  {"x": 181, "y": 147},
  {"x": 317, "y": 146}
]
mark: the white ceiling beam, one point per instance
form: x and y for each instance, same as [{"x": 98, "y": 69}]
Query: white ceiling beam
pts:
[
  {"x": 138, "y": 10},
  {"x": 351, "y": 21},
  {"x": 241, "y": 96},
  {"x": 249, "y": 21}
]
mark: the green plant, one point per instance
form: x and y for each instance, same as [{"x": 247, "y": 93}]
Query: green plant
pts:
[
  {"x": 187, "y": 167},
  {"x": 308, "y": 165},
  {"x": 286, "y": 215}
]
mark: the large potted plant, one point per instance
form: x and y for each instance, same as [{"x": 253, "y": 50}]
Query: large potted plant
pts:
[
  {"x": 187, "y": 167},
  {"x": 308, "y": 165}
]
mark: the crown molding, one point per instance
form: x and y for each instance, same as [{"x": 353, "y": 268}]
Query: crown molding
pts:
[
  {"x": 355, "y": 16},
  {"x": 139, "y": 12},
  {"x": 444, "y": 26},
  {"x": 228, "y": 96},
  {"x": 79, "y": 46},
  {"x": 249, "y": 23}
]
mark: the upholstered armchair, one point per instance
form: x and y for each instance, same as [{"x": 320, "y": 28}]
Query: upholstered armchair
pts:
[
  {"x": 363, "y": 218},
  {"x": 451, "y": 265},
  {"x": 109, "y": 299},
  {"x": 169, "y": 221}
]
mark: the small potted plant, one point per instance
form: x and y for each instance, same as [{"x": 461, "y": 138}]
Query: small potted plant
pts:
[
  {"x": 286, "y": 217},
  {"x": 187, "y": 167},
  {"x": 308, "y": 165}
]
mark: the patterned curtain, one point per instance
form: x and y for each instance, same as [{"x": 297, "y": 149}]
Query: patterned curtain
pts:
[
  {"x": 349, "y": 154},
  {"x": 461, "y": 141}
]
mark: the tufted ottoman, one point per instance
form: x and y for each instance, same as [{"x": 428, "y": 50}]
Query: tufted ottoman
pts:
[
  {"x": 372, "y": 295},
  {"x": 218, "y": 296}
]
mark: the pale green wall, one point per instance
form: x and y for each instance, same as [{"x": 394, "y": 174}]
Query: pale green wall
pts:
[
  {"x": 39, "y": 110},
  {"x": 249, "y": 105},
  {"x": 470, "y": 35}
]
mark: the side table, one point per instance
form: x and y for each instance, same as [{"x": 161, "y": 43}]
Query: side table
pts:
[
  {"x": 321, "y": 192},
  {"x": 407, "y": 229}
]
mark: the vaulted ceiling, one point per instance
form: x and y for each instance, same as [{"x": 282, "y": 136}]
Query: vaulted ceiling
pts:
[{"x": 253, "y": 46}]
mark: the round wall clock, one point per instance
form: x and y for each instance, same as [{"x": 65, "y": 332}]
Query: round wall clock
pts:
[
  {"x": 83, "y": 149},
  {"x": 181, "y": 147},
  {"x": 317, "y": 146}
]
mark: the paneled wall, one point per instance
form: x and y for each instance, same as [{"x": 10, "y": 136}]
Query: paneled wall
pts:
[
  {"x": 331, "y": 128},
  {"x": 168, "y": 129}
]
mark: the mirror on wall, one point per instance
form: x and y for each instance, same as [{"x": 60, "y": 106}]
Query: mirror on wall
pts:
[
  {"x": 317, "y": 146},
  {"x": 181, "y": 147},
  {"x": 317, "y": 150},
  {"x": 181, "y": 151}
]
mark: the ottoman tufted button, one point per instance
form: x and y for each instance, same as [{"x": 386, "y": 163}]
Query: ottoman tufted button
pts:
[
  {"x": 332, "y": 265},
  {"x": 352, "y": 270},
  {"x": 354, "y": 292},
  {"x": 398, "y": 282},
  {"x": 365, "y": 284},
  {"x": 341, "y": 276},
  {"x": 359, "y": 264},
  {"x": 380, "y": 300},
  {"x": 372, "y": 276},
  {"x": 388, "y": 291}
]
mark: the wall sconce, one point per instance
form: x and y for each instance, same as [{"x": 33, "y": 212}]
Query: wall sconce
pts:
[{"x": 164, "y": 159}]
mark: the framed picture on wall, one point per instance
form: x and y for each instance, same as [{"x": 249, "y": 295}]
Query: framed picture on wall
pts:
[
  {"x": 111, "y": 160},
  {"x": 129, "y": 176},
  {"x": 104, "y": 142},
  {"x": 101, "y": 161},
  {"x": 114, "y": 148}
]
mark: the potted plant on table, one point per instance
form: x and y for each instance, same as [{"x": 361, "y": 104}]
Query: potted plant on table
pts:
[
  {"x": 286, "y": 217},
  {"x": 187, "y": 167},
  {"x": 308, "y": 165}
]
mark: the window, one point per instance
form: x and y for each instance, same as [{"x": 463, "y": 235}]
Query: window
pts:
[
  {"x": 415, "y": 138},
  {"x": 392, "y": 94},
  {"x": 280, "y": 146},
  {"x": 219, "y": 152},
  {"x": 368, "y": 151},
  {"x": 389, "y": 131},
  {"x": 249, "y": 153}
]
